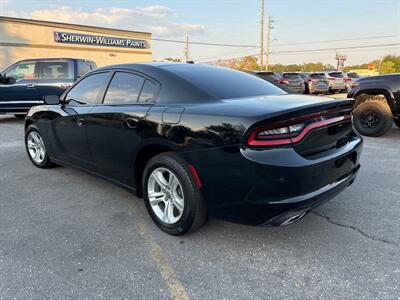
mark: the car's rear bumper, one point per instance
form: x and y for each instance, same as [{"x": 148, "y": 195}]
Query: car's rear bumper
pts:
[
  {"x": 316, "y": 88},
  {"x": 259, "y": 186},
  {"x": 304, "y": 203}
]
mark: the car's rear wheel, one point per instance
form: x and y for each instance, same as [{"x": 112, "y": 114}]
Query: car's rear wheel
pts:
[
  {"x": 36, "y": 148},
  {"x": 373, "y": 118},
  {"x": 171, "y": 195}
]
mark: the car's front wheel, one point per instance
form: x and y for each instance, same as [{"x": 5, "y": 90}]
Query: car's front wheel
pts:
[
  {"x": 171, "y": 195},
  {"x": 36, "y": 148}
]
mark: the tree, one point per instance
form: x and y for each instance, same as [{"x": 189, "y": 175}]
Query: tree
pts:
[
  {"x": 388, "y": 67},
  {"x": 248, "y": 63}
]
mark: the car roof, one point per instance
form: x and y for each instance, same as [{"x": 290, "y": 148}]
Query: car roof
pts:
[
  {"x": 55, "y": 58},
  {"x": 160, "y": 73}
]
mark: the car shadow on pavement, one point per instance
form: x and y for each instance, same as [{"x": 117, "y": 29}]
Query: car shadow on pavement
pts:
[{"x": 11, "y": 119}]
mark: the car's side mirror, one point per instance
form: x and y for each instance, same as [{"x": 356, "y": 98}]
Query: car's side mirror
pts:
[
  {"x": 10, "y": 80},
  {"x": 52, "y": 99}
]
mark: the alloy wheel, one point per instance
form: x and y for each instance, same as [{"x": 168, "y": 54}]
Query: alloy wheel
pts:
[
  {"x": 369, "y": 119},
  {"x": 165, "y": 195},
  {"x": 36, "y": 148}
]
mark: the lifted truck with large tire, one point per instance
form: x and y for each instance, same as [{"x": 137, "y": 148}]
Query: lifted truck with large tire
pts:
[{"x": 377, "y": 104}]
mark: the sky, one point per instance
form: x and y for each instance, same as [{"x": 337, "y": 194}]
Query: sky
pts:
[{"x": 304, "y": 30}]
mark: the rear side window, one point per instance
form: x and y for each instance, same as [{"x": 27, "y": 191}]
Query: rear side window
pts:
[
  {"x": 83, "y": 67},
  {"x": 336, "y": 74},
  {"x": 58, "y": 70},
  {"x": 224, "y": 83},
  {"x": 22, "y": 71},
  {"x": 124, "y": 88},
  {"x": 317, "y": 76},
  {"x": 291, "y": 76},
  {"x": 148, "y": 91},
  {"x": 87, "y": 91}
]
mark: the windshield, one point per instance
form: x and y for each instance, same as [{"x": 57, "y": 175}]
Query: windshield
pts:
[
  {"x": 294, "y": 76},
  {"x": 224, "y": 83},
  {"x": 336, "y": 74},
  {"x": 318, "y": 76},
  {"x": 353, "y": 75}
]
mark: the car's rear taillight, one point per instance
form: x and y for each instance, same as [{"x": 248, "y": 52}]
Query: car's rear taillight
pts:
[
  {"x": 294, "y": 130},
  {"x": 347, "y": 79},
  {"x": 283, "y": 81},
  {"x": 331, "y": 78}
]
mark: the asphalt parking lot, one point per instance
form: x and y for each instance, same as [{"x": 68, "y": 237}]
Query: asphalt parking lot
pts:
[{"x": 67, "y": 234}]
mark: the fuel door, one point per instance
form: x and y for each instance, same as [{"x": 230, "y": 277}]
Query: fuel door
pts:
[{"x": 172, "y": 115}]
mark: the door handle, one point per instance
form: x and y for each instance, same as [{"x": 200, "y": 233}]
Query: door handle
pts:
[
  {"x": 131, "y": 123},
  {"x": 30, "y": 85},
  {"x": 65, "y": 85},
  {"x": 80, "y": 121}
]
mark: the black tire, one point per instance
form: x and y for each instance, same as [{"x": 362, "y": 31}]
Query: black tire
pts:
[
  {"x": 194, "y": 211},
  {"x": 373, "y": 118},
  {"x": 45, "y": 163},
  {"x": 397, "y": 122}
]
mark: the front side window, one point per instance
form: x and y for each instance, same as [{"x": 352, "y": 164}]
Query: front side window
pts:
[
  {"x": 22, "y": 71},
  {"x": 58, "y": 70},
  {"x": 124, "y": 88},
  {"x": 87, "y": 91}
]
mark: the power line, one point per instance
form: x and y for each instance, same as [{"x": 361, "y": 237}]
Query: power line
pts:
[
  {"x": 253, "y": 46},
  {"x": 315, "y": 50}
]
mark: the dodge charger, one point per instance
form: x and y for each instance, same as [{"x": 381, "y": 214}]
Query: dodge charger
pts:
[{"x": 197, "y": 141}]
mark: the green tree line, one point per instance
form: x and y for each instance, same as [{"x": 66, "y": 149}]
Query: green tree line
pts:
[{"x": 388, "y": 64}]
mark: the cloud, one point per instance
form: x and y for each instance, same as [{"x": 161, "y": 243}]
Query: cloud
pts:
[{"x": 156, "y": 19}]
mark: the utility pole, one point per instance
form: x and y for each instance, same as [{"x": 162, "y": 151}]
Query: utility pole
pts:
[
  {"x": 187, "y": 49},
  {"x": 270, "y": 21},
  {"x": 262, "y": 36}
]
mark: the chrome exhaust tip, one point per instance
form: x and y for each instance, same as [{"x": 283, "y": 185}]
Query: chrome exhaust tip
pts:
[{"x": 293, "y": 219}]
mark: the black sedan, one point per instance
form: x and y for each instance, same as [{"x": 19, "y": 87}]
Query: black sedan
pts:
[{"x": 198, "y": 141}]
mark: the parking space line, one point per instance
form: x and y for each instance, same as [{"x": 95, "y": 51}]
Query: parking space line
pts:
[{"x": 175, "y": 287}]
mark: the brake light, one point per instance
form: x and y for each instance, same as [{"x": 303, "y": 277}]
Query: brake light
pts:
[
  {"x": 294, "y": 130},
  {"x": 283, "y": 81},
  {"x": 331, "y": 78},
  {"x": 347, "y": 79}
]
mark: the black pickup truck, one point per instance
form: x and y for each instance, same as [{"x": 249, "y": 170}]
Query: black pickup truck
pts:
[
  {"x": 25, "y": 83},
  {"x": 377, "y": 104}
]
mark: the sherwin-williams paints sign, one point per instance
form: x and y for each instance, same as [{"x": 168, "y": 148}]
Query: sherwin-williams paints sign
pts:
[{"x": 98, "y": 40}]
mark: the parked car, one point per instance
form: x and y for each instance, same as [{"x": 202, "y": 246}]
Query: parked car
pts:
[
  {"x": 198, "y": 140},
  {"x": 305, "y": 77},
  {"x": 268, "y": 75},
  {"x": 271, "y": 77},
  {"x": 293, "y": 81},
  {"x": 351, "y": 79},
  {"x": 25, "y": 83},
  {"x": 318, "y": 83},
  {"x": 377, "y": 104},
  {"x": 336, "y": 81}
]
